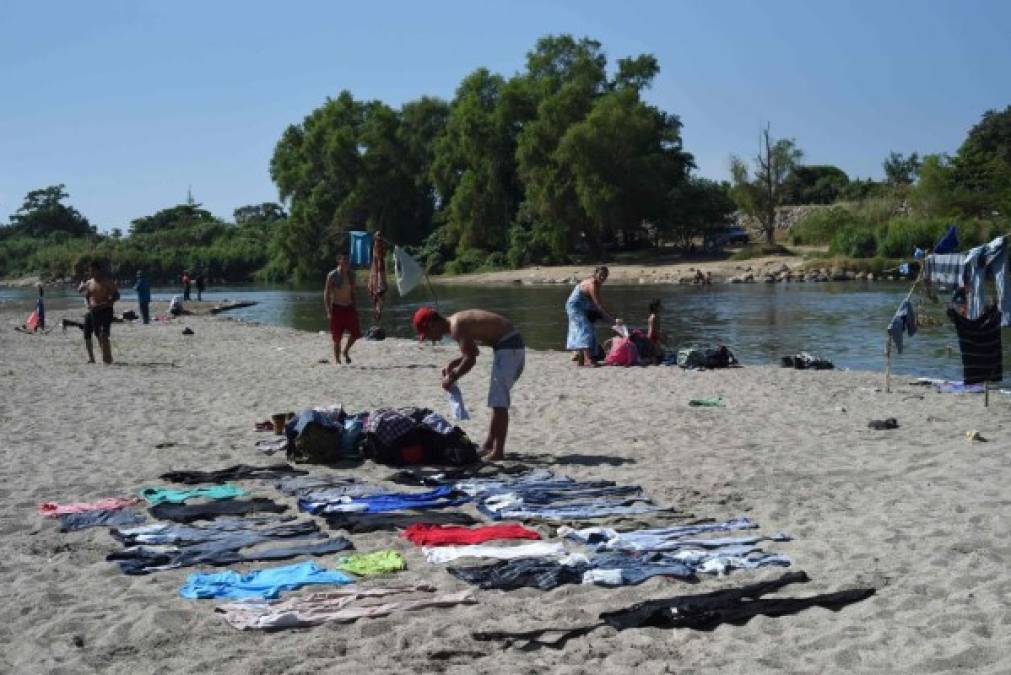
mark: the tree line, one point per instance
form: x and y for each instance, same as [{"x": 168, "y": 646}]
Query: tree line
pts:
[{"x": 562, "y": 160}]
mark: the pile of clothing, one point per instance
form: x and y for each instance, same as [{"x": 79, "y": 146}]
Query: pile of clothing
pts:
[
  {"x": 806, "y": 361},
  {"x": 702, "y": 358}
]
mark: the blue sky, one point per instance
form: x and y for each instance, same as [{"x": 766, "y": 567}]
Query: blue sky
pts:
[{"x": 129, "y": 103}]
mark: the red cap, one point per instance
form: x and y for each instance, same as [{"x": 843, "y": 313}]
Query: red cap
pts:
[{"x": 422, "y": 317}]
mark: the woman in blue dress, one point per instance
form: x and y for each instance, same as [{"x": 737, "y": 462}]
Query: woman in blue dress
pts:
[{"x": 585, "y": 297}]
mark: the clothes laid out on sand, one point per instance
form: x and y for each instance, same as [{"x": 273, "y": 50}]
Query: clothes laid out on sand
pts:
[
  {"x": 980, "y": 342},
  {"x": 428, "y": 534},
  {"x": 161, "y": 495},
  {"x": 652, "y": 539},
  {"x": 265, "y": 583},
  {"x": 236, "y": 472},
  {"x": 371, "y": 564},
  {"x": 340, "y": 606},
  {"x": 704, "y": 611},
  {"x": 71, "y": 522},
  {"x": 188, "y": 513},
  {"x": 144, "y": 559},
  {"x": 540, "y": 549},
  {"x": 53, "y": 509},
  {"x": 297, "y": 486},
  {"x": 450, "y": 476},
  {"x": 381, "y": 502},
  {"x": 361, "y": 523},
  {"x": 243, "y": 531}
]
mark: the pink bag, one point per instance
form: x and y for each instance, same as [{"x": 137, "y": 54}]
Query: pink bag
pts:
[{"x": 623, "y": 353}]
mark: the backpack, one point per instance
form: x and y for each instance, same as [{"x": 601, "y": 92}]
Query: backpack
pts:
[
  {"x": 375, "y": 333},
  {"x": 411, "y": 436},
  {"x": 691, "y": 357},
  {"x": 315, "y": 437},
  {"x": 623, "y": 353},
  {"x": 721, "y": 357}
]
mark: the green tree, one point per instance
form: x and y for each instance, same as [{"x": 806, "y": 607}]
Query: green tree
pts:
[
  {"x": 625, "y": 158},
  {"x": 814, "y": 184},
  {"x": 935, "y": 192},
  {"x": 761, "y": 196},
  {"x": 43, "y": 213},
  {"x": 267, "y": 212},
  {"x": 901, "y": 170},
  {"x": 982, "y": 166},
  {"x": 180, "y": 216},
  {"x": 694, "y": 207}
]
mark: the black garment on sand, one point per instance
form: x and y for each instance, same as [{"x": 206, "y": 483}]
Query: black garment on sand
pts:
[
  {"x": 187, "y": 513},
  {"x": 144, "y": 560},
  {"x": 359, "y": 523},
  {"x": 508, "y": 575},
  {"x": 237, "y": 472},
  {"x": 882, "y": 425},
  {"x": 436, "y": 477},
  {"x": 979, "y": 340},
  {"x": 71, "y": 522},
  {"x": 706, "y": 611}
]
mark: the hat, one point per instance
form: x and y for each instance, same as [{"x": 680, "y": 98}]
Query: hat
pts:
[{"x": 421, "y": 319}]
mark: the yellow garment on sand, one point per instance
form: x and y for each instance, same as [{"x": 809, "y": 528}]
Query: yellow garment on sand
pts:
[{"x": 377, "y": 562}]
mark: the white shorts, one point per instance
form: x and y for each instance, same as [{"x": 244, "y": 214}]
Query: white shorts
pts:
[{"x": 505, "y": 370}]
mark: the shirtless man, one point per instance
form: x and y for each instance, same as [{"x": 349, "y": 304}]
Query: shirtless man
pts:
[
  {"x": 470, "y": 328},
  {"x": 100, "y": 293},
  {"x": 339, "y": 300}
]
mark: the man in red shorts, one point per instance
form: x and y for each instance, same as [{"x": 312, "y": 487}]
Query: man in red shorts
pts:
[{"x": 339, "y": 300}]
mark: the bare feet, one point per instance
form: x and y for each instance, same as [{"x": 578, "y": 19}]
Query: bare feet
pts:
[{"x": 347, "y": 358}]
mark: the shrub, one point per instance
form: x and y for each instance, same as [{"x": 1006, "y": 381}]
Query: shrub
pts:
[
  {"x": 469, "y": 261},
  {"x": 818, "y": 227},
  {"x": 855, "y": 242}
]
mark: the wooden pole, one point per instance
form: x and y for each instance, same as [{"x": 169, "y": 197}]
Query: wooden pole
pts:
[{"x": 888, "y": 364}]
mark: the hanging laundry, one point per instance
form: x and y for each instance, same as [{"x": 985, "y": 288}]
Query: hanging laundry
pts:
[
  {"x": 946, "y": 271},
  {"x": 426, "y": 534},
  {"x": 341, "y": 606},
  {"x": 361, "y": 248},
  {"x": 369, "y": 564},
  {"x": 155, "y": 496},
  {"x": 904, "y": 321},
  {"x": 52, "y": 509},
  {"x": 265, "y": 583},
  {"x": 990, "y": 259},
  {"x": 948, "y": 243},
  {"x": 377, "y": 277},
  {"x": 980, "y": 342},
  {"x": 409, "y": 272},
  {"x": 456, "y": 403}
]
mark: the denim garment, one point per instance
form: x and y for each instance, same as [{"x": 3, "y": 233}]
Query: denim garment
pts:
[
  {"x": 71, "y": 522},
  {"x": 580, "y": 512},
  {"x": 144, "y": 560},
  {"x": 217, "y": 531},
  {"x": 359, "y": 523},
  {"x": 438, "y": 498},
  {"x": 609, "y": 538},
  {"x": 675, "y": 544},
  {"x": 187, "y": 513},
  {"x": 580, "y": 334},
  {"x": 267, "y": 583},
  {"x": 904, "y": 321},
  {"x": 298, "y": 486},
  {"x": 509, "y": 575}
]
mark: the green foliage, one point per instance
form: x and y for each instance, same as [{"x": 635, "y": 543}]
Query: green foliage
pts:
[
  {"x": 694, "y": 207},
  {"x": 759, "y": 196},
  {"x": 818, "y": 227},
  {"x": 855, "y": 242},
  {"x": 760, "y": 251},
  {"x": 901, "y": 170},
  {"x": 471, "y": 260},
  {"x": 43, "y": 213},
  {"x": 814, "y": 184}
]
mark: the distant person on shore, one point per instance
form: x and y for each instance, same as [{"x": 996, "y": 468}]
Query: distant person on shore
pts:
[
  {"x": 585, "y": 297},
  {"x": 40, "y": 309},
  {"x": 186, "y": 286},
  {"x": 339, "y": 300},
  {"x": 201, "y": 286},
  {"x": 143, "y": 289},
  {"x": 100, "y": 293},
  {"x": 470, "y": 328}
]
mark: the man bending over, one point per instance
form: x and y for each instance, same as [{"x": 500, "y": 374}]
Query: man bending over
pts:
[{"x": 470, "y": 328}]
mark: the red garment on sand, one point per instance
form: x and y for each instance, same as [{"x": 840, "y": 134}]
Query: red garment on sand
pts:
[
  {"x": 52, "y": 509},
  {"x": 344, "y": 318},
  {"x": 423, "y": 534}
]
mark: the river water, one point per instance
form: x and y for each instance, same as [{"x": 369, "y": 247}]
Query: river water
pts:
[{"x": 844, "y": 322}]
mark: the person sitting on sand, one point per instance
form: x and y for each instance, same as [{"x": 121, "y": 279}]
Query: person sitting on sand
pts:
[
  {"x": 176, "y": 308},
  {"x": 584, "y": 298},
  {"x": 100, "y": 292},
  {"x": 339, "y": 300},
  {"x": 470, "y": 328}
]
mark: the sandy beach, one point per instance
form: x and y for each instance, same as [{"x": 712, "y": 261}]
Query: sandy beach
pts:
[{"x": 919, "y": 513}]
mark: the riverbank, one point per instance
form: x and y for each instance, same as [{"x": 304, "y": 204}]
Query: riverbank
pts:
[{"x": 917, "y": 513}]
